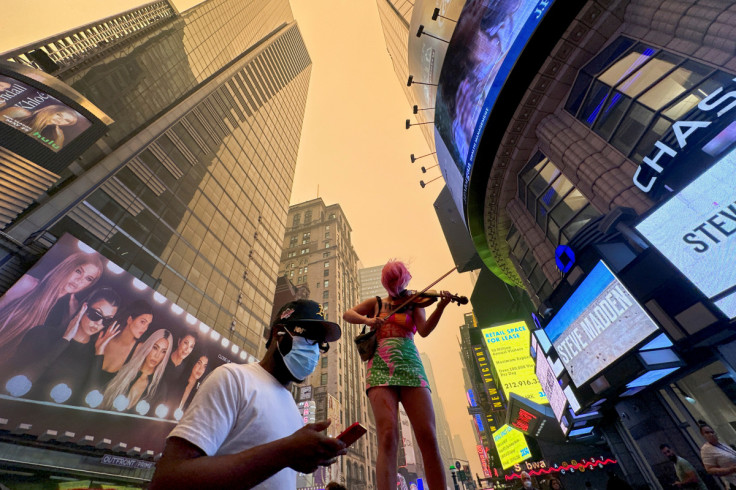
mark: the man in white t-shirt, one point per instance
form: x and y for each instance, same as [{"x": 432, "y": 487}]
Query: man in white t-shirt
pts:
[{"x": 243, "y": 429}]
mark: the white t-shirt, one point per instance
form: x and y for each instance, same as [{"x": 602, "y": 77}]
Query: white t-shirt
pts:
[
  {"x": 720, "y": 456},
  {"x": 240, "y": 406}
]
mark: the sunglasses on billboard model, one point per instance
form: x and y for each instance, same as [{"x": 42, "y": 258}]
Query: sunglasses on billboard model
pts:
[{"x": 96, "y": 316}]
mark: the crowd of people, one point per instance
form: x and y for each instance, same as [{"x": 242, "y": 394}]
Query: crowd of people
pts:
[{"x": 63, "y": 340}]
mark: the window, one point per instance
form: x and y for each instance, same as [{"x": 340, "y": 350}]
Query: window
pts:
[
  {"x": 325, "y": 294},
  {"x": 331, "y": 216},
  {"x": 630, "y": 94},
  {"x": 327, "y": 244},
  {"x": 324, "y": 361},
  {"x": 305, "y": 238},
  {"x": 292, "y": 241},
  {"x": 308, "y": 217},
  {"x": 323, "y": 379},
  {"x": 325, "y": 255},
  {"x": 304, "y": 251},
  {"x": 327, "y": 264},
  {"x": 291, "y": 254},
  {"x": 327, "y": 272},
  {"x": 297, "y": 218},
  {"x": 327, "y": 234},
  {"x": 327, "y": 283}
]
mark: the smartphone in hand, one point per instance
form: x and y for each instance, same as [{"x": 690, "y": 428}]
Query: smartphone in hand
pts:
[{"x": 352, "y": 433}]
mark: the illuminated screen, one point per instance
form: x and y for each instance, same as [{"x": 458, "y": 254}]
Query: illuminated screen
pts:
[
  {"x": 581, "y": 432},
  {"x": 598, "y": 324},
  {"x": 511, "y": 446},
  {"x": 550, "y": 385},
  {"x": 37, "y": 114},
  {"x": 508, "y": 346},
  {"x": 87, "y": 348},
  {"x": 489, "y": 37},
  {"x": 696, "y": 231},
  {"x": 651, "y": 377}
]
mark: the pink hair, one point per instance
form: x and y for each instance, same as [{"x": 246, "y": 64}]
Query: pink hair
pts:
[{"x": 394, "y": 277}]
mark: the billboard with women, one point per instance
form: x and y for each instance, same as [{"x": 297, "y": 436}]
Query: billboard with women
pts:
[
  {"x": 88, "y": 349},
  {"x": 39, "y": 115},
  {"x": 489, "y": 37}
]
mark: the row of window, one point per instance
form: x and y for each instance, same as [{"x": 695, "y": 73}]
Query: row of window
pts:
[{"x": 630, "y": 94}]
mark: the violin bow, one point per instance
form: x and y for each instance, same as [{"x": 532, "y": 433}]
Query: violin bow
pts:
[{"x": 419, "y": 293}]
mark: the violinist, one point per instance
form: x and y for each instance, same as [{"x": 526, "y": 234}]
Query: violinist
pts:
[{"x": 396, "y": 374}]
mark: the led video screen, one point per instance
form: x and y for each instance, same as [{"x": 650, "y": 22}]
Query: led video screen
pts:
[
  {"x": 550, "y": 385},
  {"x": 489, "y": 37},
  {"x": 87, "y": 348},
  {"x": 599, "y": 323},
  {"x": 39, "y": 115},
  {"x": 508, "y": 346},
  {"x": 696, "y": 231},
  {"x": 511, "y": 446}
]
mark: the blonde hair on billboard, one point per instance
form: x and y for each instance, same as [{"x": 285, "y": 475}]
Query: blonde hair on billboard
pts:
[
  {"x": 41, "y": 119},
  {"x": 121, "y": 383},
  {"x": 30, "y": 310}
]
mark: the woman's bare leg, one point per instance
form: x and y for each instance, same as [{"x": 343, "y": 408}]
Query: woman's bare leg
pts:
[
  {"x": 385, "y": 404},
  {"x": 418, "y": 405}
]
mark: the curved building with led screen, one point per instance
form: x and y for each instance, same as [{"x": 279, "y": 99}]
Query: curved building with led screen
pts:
[{"x": 589, "y": 145}]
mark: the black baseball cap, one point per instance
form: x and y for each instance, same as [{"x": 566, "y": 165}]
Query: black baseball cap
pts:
[{"x": 309, "y": 316}]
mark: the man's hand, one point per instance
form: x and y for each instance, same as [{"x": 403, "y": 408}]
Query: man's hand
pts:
[{"x": 310, "y": 448}]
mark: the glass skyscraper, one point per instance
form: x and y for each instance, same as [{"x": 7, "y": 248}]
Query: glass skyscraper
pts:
[{"x": 189, "y": 189}]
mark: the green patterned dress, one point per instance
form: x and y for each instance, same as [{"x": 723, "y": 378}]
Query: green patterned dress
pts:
[{"x": 396, "y": 361}]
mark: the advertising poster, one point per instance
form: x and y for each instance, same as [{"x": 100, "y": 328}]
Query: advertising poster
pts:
[
  {"x": 511, "y": 446},
  {"x": 550, "y": 385},
  {"x": 489, "y": 37},
  {"x": 39, "y": 115},
  {"x": 598, "y": 324},
  {"x": 508, "y": 346},
  {"x": 87, "y": 348},
  {"x": 702, "y": 238}
]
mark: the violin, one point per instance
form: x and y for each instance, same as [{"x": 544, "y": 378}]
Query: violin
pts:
[
  {"x": 425, "y": 297},
  {"x": 422, "y": 299}
]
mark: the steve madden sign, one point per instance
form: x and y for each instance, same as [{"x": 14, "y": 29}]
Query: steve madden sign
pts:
[{"x": 692, "y": 132}]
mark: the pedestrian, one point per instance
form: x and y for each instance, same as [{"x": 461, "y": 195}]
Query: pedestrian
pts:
[
  {"x": 243, "y": 428},
  {"x": 555, "y": 484},
  {"x": 687, "y": 477},
  {"x": 718, "y": 458},
  {"x": 396, "y": 374},
  {"x": 526, "y": 481}
]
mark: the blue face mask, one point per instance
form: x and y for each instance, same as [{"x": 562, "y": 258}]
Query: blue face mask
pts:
[{"x": 302, "y": 359}]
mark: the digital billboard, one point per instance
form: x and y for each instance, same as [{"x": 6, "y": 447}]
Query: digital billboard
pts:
[
  {"x": 550, "y": 385},
  {"x": 599, "y": 323},
  {"x": 511, "y": 446},
  {"x": 87, "y": 348},
  {"x": 508, "y": 347},
  {"x": 39, "y": 115},
  {"x": 696, "y": 231},
  {"x": 488, "y": 39}
]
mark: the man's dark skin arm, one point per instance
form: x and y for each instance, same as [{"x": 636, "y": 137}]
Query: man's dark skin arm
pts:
[{"x": 185, "y": 466}]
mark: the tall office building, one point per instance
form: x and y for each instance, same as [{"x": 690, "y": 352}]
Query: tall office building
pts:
[
  {"x": 396, "y": 18},
  {"x": 369, "y": 279},
  {"x": 318, "y": 253},
  {"x": 444, "y": 435},
  {"x": 189, "y": 188}
]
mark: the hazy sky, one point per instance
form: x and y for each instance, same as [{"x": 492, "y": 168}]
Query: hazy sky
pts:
[{"x": 354, "y": 149}]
